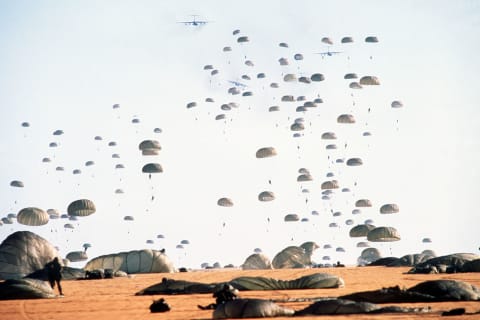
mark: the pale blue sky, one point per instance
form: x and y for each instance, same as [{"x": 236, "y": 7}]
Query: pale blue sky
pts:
[{"x": 63, "y": 64}]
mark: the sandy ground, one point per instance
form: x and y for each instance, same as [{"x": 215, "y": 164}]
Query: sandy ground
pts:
[{"x": 115, "y": 298}]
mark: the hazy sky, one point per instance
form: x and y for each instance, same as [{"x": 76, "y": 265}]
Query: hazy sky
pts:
[{"x": 64, "y": 64}]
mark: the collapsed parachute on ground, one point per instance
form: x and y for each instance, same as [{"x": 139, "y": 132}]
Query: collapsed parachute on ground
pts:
[
  {"x": 22, "y": 253},
  {"x": 257, "y": 261},
  {"x": 77, "y": 256},
  {"x": 292, "y": 257},
  {"x": 32, "y": 217},
  {"x": 137, "y": 261}
]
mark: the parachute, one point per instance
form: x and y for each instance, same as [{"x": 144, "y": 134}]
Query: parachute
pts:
[
  {"x": 397, "y": 104},
  {"x": 346, "y": 118},
  {"x": 317, "y": 77},
  {"x": 329, "y": 184},
  {"x": 291, "y": 217},
  {"x": 81, "y": 208},
  {"x": 304, "y": 177},
  {"x": 266, "y": 152},
  {"x": 298, "y": 56},
  {"x": 137, "y": 261},
  {"x": 369, "y": 81},
  {"x": 354, "y": 162},
  {"x": 383, "y": 234},
  {"x": 363, "y": 203},
  {"x": 77, "y": 256},
  {"x": 17, "y": 183},
  {"x": 191, "y": 105},
  {"x": 290, "y": 77},
  {"x": 149, "y": 147},
  {"x": 152, "y": 168},
  {"x": 350, "y": 76},
  {"x": 371, "y": 39},
  {"x": 327, "y": 40},
  {"x": 32, "y": 217},
  {"x": 355, "y": 85},
  {"x": 389, "y": 208},
  {"x": 257, "y": 261},
  {"x": 266, "y": 196},
  {"x": 243, "y": 39},
  {"x": 22, "y": 253},
  {"x": 360, "y": 230},
  {"x": 347, "y": 40},
  {"x": 329, "y": 136},
  {"x": 225, "y": 202},
  {"x": 292, "y": 257}
]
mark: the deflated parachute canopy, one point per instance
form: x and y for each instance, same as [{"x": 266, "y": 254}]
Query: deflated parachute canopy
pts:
[
  {"x": 138, "y": 261},
  {"x": 32, "y": 217},
  {"x": 76, "y": 256},
  {"x": 22, "y": 253},
  {"x": 257, "y": 261},
  {"x": 292, "y": 257}
]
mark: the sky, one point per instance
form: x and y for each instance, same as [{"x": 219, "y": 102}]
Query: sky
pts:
[{"x": 64, "y": 64}]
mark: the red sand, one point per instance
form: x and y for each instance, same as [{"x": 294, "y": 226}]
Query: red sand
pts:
[{"x": 115, "y": 298}]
